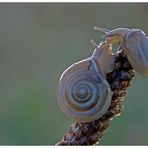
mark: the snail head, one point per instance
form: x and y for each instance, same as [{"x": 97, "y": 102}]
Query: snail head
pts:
[{"x": 114, "y": 36}]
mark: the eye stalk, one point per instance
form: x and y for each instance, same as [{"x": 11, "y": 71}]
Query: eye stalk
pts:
[{"x": 114, "y": 36}]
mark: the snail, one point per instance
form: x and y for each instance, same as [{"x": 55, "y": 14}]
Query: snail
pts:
[
  {"x": 83, "y": 92},
  {"x": 135, "y": 44}
]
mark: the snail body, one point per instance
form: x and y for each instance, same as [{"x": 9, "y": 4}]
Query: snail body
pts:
[
  {"x": 135, "y": 44},
  {"x": 83, "y": 92}
]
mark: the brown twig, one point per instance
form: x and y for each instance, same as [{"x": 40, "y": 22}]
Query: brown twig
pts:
[{"x": 90, "y": 133}]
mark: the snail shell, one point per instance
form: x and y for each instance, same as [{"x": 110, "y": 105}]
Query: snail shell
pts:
[
  {"x": 135, "y": 44},
  {"x": 83, "y": 92},
  {"x": 137, "y": 50}
]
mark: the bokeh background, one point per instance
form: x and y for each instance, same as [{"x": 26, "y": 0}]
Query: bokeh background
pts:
[{"x": 37, "y": 43}]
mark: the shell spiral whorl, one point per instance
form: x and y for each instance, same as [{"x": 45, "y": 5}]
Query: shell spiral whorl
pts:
[{"x": 83, "y": 94}]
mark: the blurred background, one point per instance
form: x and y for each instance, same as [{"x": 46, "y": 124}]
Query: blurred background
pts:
[{"x": 37, "y": 43}]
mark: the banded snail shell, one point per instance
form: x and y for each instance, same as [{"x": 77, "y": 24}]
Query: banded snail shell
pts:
[{"x": 83, "y": 94}]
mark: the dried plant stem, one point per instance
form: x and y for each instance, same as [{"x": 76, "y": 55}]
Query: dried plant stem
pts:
[{"x": 90, "y": 133}]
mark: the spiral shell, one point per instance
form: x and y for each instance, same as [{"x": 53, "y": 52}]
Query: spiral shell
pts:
[
  {"x": 83, "y": 94},
  {"x": 137, "y": 50}
]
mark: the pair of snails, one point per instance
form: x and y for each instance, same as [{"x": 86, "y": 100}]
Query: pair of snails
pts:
[{"x": 83, "y": 89}]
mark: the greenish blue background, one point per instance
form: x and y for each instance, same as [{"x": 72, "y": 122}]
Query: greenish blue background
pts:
[{"x": 37, "y": 43}]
